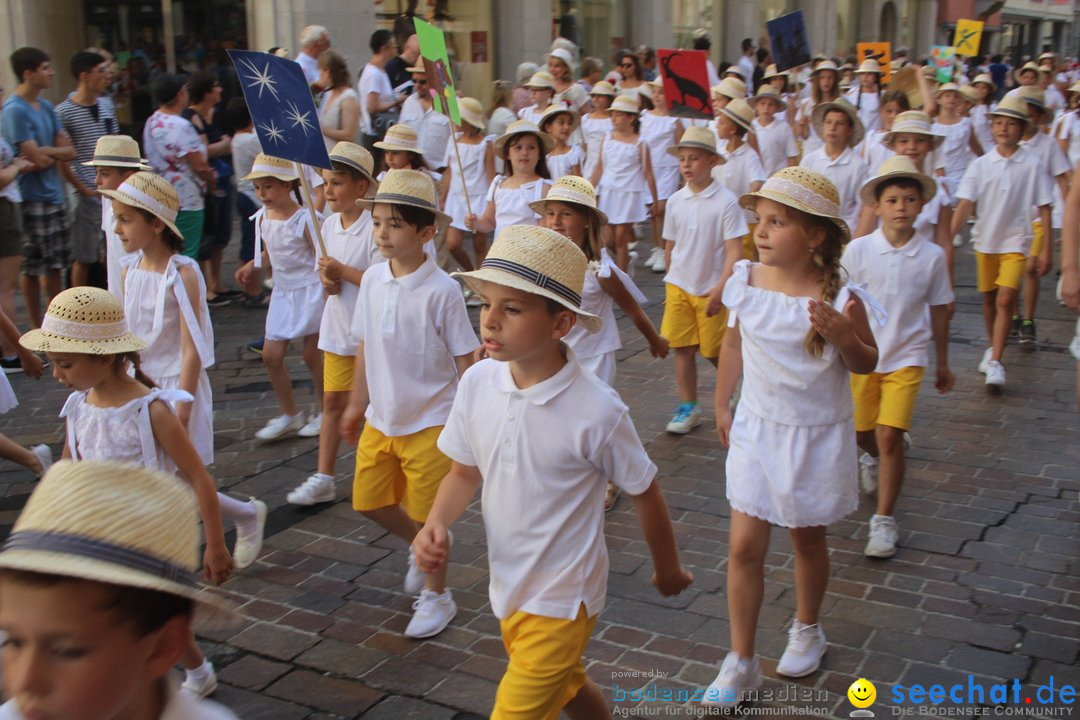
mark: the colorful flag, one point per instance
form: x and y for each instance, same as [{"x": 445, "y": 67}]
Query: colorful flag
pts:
[
  {"x": 437, "y": 64},
  {"x": 880, "y": 51},
  {"x": 788, "y": 41},
  {"x": 281, "y": 106},
  {"x": 941, "y": 56},
  {"x": 968, "y": 37},
  {"x": 686, "y": 82}
]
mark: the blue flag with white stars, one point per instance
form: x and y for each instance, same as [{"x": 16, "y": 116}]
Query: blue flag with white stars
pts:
[{"x": 281, "y": 106}]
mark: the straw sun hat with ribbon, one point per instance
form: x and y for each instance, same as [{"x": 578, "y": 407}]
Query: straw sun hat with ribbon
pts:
[
  {"x": 740, "y": 113},
  {"x": 768, "y": 92},
  {"x": 400, "y": 137},
  {"x": 557, "y": 109},
  {"x": 626, "y": 104},
  {"x": 117, "y": 151},
  {"x": 358, "y": 159},
  {"x": 541, "y": 79},
  {"x": 732, "y": 88},
  {"x": 818, "y": 119},
  {"x": 150, "y": 192},
  {"x": 825, "y": 65},
  {"x": 523, "y": 127},
  {"x": 986, "y": 79},
  {"x": 1027, "y": 67},
  {"x": 538, "y": 261},
  {"x": 1011, "y": 106},
  {"x": 114, "y": 523},
  {"x": 895, "y": 168},
  {"x": 269, "y": 166},
  {"x": 869, "y": 66},
  {"x": 408, "y": 187},
  {"x": 603, "y": 87},
  {"x": 1033, "y": 96},
  {"x": 574, "y": 190},
  {"x": 915, "y": 122},
  {"x": 697, "y": 138},
  {"x": 472, "y": 112},
  {"x": 803, "y": 190},
  {"x": 85, "y": 320}
]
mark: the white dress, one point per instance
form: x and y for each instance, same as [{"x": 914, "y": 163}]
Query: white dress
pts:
[
  {"x": 596, "y": 351},
  {"x": 792, "y": 460},
  {"x": 154, "y": 303},
  {"x": 868, "y": 106},
  {"x": 658, "y": 132},
  {"x": 559, "y": 165},
  {"x": 296, "y": 302},
  {"x": 981, "y": 123},
  {"x": 813, "y": 141},
  {"x": 593, "y": 130},
  {"x": 621, "y": 187},
  {"x": 8, "y": 401},
  {"x": 475, "y": 175},
  {"x": 956, "y": 149},
  {"x": 512, "y": 204}
]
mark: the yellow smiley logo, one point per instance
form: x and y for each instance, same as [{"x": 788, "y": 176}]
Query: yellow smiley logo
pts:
[{"x": 862, "y": 693}]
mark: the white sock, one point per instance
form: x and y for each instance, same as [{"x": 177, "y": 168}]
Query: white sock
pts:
[
  {"x": 235, "y": 511},
  {"x": 324, "y": 477},
  {"x": 203, "y": 671}
]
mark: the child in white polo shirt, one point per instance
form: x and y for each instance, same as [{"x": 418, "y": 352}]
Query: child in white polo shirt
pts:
[
  {"x": 415, "y": 340},
  {"x": 775, "y": 140},
  {"x": 838, "y": 125},
  {"x": 907, "y": 274},
  {"x": 1004, "y": 185},
  {"x": 543, "y": 436},
  {"x": 704, "y": 231},
  {"x": 741, "y": 170}
]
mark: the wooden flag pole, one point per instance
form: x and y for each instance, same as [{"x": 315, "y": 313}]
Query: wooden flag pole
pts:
[
  {"x": 306, "y": 187},
  {"x": 461, "y": 174}
]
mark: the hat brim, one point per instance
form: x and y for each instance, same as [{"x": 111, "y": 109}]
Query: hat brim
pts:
[
  {"x": 890, "y": 137},
  {"x": 605, "y": 93},
  {"x": 754, "y": 99},
  {"x": 120, "y": 197},
  {"x": 477, "y": 121},
  {"x": 442, "y": 220},
  {"x": 547, "y": 140},
  {"x": 255, "y": 175},
  {"x": 590, "y": 322},
  {"x": 748, "y": 201},
  {"x": 929, "y": 187},
  {"x": 869, "y": 72},
  {"x": 747, "y": 126},
  {"x": 133, "y": 164},
  {"x": 373, "y": 184},
  {"x": 383, "y": 145},
  {"x": 993, "y": 87},
  {"x": 691, "y": 145},
  {"x": 857, "y": 130},
  {"x": 537, "y": 206},
  {"x": 1009, "y": 114},
  {"x": 43, "y": 341}
]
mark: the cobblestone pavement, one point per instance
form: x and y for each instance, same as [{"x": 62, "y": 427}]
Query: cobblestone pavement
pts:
[{"x": 986, "y": 582}]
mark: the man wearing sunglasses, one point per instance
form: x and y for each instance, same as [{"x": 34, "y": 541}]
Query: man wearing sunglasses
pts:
[{"x": 432, "y": 127}]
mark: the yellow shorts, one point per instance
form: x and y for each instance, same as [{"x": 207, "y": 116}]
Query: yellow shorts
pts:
[
  {"x": 405, "y": 470},
  {"x": 685, "y": 323},
  {"x": 996, "y": 270},
  {"x": 749, "y": 249},
  {"x": 1040, "y": 238},
  {"x": 338, "y": 372},
  {"x": 886, "y": 399},
  {"x": 545, "y": 670}
]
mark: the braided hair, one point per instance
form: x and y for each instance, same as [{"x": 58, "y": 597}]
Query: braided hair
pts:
[{"x": 827, "y": 260}]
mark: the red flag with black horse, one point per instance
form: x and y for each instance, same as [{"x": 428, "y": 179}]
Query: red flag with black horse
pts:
[{"x": 686, "y": 82}]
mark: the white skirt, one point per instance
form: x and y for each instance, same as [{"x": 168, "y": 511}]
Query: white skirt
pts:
[
  {"x": 294, "y": 314},
  {"x": 667, "y": 181},
  {"x": 792, "y": 475},
  {"x": 201, "y": 424},
  {"x": 602, "y": 366},
  {"x": 457, "y": 209},
  {"x": 8, "y": 401},
  {"x": 623, "y": 206}
]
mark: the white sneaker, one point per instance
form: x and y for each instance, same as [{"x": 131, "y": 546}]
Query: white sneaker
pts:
[
  {"x": 633, "y": 264},
  {"x": 907, "y": 440},
  {"x": 414, "y": 576},
  {"x": 659, "y": 265},
  {"x": 985, "y": 362},
  {"x": 432, "y": 612},
  {"x": 249, "y": 537},
  {"x": 313, "y": 427},
  {"x": 200, "y": 682},
  {"x": 686, "y": 418},
  {"x": 313, "y": 491},
  {"x": 958, "y": 241},
  {"x": 44, "y": 456},
  {"x": 736, "y": 676},
  {"x": 995, "y": 377},
  {"x": 805, "y": 648},
  {"x": 281, "y": 426},
  {"x": 868, "y": 469},
  {"x": 884, "y": 532}
]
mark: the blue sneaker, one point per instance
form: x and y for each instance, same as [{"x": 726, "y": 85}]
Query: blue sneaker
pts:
[
  {"x": 687, "y": 417},
  {"x": 256, "y": 346}
]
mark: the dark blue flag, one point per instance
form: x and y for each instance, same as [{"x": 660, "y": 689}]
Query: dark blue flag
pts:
[{"x": 281, "y": 106}]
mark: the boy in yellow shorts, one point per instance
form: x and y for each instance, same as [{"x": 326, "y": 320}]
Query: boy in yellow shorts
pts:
[
  {"x": 350, "y": 250},
  {"x": 544, "y": 436},
  {"x": 907, "y": 274},
  {"x": 703, "y": 231},
  {"x": 1006, "y": 184},
  {"x": 414, "y": 341}
]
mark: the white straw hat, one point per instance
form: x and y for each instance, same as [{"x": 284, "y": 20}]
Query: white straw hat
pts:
[
  {"x": 895, "y": 167},
  {"x": 1012, "y": 106},
  {"x": 1027, "y": 67},
  {"x": 985, "y": 78},
  {"x": 538, "y": 261},
  {"x": 802, "y": 189},
  {"x": 541, "y": 79},
  {"x": 572, "y": 189},
  {"x": 818, "y": 119},
  {"x": 358, "y": 158},
  {"x": 626, "y": 104},
  {"x": 603, "y": 87},
  {"x": 697, "y": 138},
  {"x": 870, "y": 66},
  {"x": 269, "y": 166},
  {"x": 152, "y": 193},
  {"x": 734, "y": 70},
  {"x": 562, "y": 55},
  {"x": 115, "y": 523},
  {"x": 825, "y": 65},
  {"x": 732, "y": 88},
  {"x": 768, "y": 92},
  {"x": 1033, "y": 96},
  {"x": 740, "y": 113},
  {"x": 915, "y": 122},
  {"x": 408, "y": 187},
  {"x": 771, "y": 72},
  {"x": 556, "y": 109},
  {"x": 472, "y": 112},
  {"x": 85, "y": 320},
  {"x": 523, "y": 127},
  {"x": 118, "y": 151},
  {"x": 401, "y": 137}
]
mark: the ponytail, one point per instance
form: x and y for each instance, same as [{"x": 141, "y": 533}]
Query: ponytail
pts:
[
  {"x": 120, "y": 361},
  {"x": 827, "y": 261}
]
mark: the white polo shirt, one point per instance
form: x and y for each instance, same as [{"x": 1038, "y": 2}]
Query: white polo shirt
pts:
[
  {"x": 1005, "y": 191},
  {"x": 412, "y": 328},
  {"x": 545, "y": 454},
  {"x": 741, "y": 170},
  {"x": 847, "y": 172},
  {"x": 350, "y": 246},
  {"x": 432, "y": 130},
  {"x": 699, "y": 224},
  {"x": 906, "y": 281},
  {"x": 776, "y": 143}
]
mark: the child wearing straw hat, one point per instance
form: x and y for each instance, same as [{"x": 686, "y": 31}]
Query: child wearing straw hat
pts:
[
  {"x": 910, "y": 277},
  {"x": 477, "y": 152},
  {"x": 703, "y": 233},
  {"x": 985, "y": 89},
  {"x": 414, "y": 341},
  {"x": 792, "y": 454},
  {"x": 741, "y": 170},
  {"x": 779, "y": 81},
  {"x": 596, "y": 124},
  {"x": 570, "y": 210},
  {"x": 872, "y": 150},
  {"x": 523, "y": 148},
  {"x": 401, "y": 149},
  {"x": 542, "y": 498},
  {"x": 867, "y": 96},
  {"x": 541, "y": 87},
  {"x": 824, "y": 87},
  {"x": 660, "y": 130},
  {"x": 285, "y": 239},
  {"x": 113, "y": 416},
  {"x": 838, "y": 124},
  {"x": 103, "y": 559},
  {"x": 560, "y": 121},
  {"x": 350, "y": 251},
  {"x": 1005, "y": 185},
  {"x": 961, "y": 144},
  {"x": 775, "y": 140},
  {"x": 116, "y": 158}
]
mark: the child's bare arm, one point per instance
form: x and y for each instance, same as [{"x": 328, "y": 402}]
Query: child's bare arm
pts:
[
  {"x": 464, "y": 362},
  {"x": 669, "y": 576},
  {"x": 939, "y": 324},
  {"x": 849, "y": 332},
  {"x": 614, "y": 287},
  {"x": 353, "y": 415},
  {"x": 728, "y": 371},
  {"x": 1045, "y": 261},
  {"x": 455, "y": 493},
  {"x": 961, "y": 215},
  {"x": 866, "y": 221},
  {"x": 732, "y": 254},
  {"x": 482, "y": 223}
]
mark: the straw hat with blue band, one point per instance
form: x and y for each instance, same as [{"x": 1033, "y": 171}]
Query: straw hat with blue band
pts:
[
  {"x": 408, "y": 187},
  {"x": 358, "y": 159}
]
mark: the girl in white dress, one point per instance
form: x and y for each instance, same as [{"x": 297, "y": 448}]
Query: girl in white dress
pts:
[
  {"x": 566, "y": 157},
  {"x": 596, "y": 124},
  {"x": 111, "y": 415},
  {"x": 661, "y": 130},
  {"x": 623, "y": 165},
  {"x": 961, "y": 146},
  {"x": 873, "y": 150},
  {"x": 570, "y": 210},
  {"x": 796, "y": 331},
  {"x": 523, "y": 148},
  {"x": 866, "y": 96},
  {"x": 985, "y": 88},
  {"x": 541, "y": 87},
  {"x": 477, "y": 169},
  {"x": 824, "y": 87},
  {"x": 296, "y": 302}
]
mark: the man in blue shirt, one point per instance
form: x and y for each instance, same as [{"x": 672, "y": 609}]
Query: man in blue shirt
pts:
[{"x": 29, "y": 125}]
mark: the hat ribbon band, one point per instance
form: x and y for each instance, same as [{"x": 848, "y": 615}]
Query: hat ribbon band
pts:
[
  {"x": 83, "y": 331},
  {"x": 274, "y": 170},
  {"x": 94, "y": 549},
  {"x": 804, "y": 195},
  {"x": 117, "y": 158},
  {"x": 350, "y": 162},
  {"x": 152, "y": 204},
  {"x": 537, "y": 278}
]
